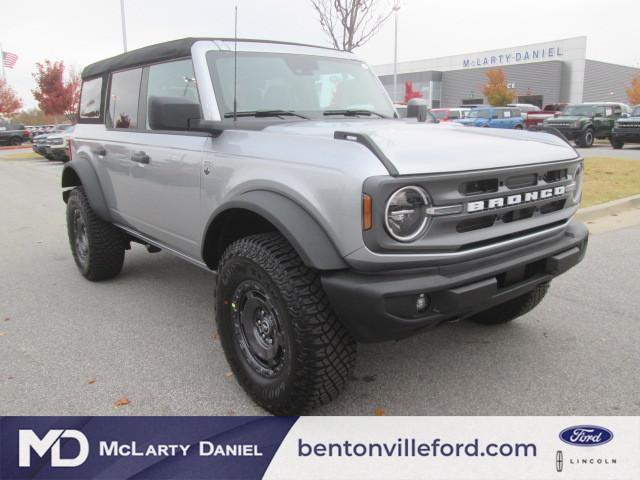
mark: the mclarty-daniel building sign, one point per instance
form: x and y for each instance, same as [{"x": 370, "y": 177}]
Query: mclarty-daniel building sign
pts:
[{"x": 537, "y": 54}]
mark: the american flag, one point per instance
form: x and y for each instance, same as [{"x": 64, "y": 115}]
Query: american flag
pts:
[{"x": 9, "y": 59}]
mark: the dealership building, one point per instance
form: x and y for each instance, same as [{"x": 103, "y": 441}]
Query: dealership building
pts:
[{"x": 541, "y": 73}]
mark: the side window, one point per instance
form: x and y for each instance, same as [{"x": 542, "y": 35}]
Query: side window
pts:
[
  {"x": 617, "y": 110},
  {"x": 454, "y": 114},
  {"x": 123, "y": 99},
  {"x": 496, "y": 114},
  {"x": 90, "y": 98},
  {"x": 172, "y": 80},
  {"x": 608, "y": 111},
  {"x": 506, "y": 113}
]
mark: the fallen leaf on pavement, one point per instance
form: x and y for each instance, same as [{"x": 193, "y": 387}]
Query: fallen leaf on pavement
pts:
[
  {"x": 6, "y": 319},
  {"x": 228, "y": 374},
  {"x": 122, "y": 402},
  {"x": 379, "y": 412},
  {"x": 215, "y": 336},
  {"x": 2, "y": 334},
  {"x": 92, "y": 381}
]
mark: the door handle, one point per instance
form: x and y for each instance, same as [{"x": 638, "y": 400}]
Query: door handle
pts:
[
  {"x": 101, "y": 151},
  {"x": 140, "y": 157}
]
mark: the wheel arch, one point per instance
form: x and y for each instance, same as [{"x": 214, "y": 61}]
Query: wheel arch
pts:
[
  {"x": 261, "y": 211},
  {"x": 80, "y": 173}
]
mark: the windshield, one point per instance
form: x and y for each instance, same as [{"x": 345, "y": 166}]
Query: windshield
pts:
[
  {"x": 305, "y": 84},
  {"x": 479, "y": 113},
  {"x": 582, "y": 110},
  {"x": 636, "y": 112}
]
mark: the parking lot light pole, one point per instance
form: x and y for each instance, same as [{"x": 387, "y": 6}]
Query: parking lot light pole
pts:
[
  {"x": 395, "y": 57},
  {"x": 124, "y": 26}
]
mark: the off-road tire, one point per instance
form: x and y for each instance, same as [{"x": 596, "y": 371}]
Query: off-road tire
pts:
[
  {"x": 512, "y": 309},
  {"x": 615, "y": 143},
  {"x": 586, "y": 138},
  {"x": 318, "y": 354},
  {"x": 106, "y": 244},
  {"x": 15, "y": 141},
  {"x": 518, "y": 127}
]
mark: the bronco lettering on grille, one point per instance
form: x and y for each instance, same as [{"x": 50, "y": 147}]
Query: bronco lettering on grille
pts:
[{"x": 516, "y": 199}]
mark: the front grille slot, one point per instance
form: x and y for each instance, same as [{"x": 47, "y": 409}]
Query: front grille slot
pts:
[
  {"x": 521, "y": 214},
  {"x": 555, "y": 175},
  {"x": 552, "y": 206},
  {"x": 479, "y": 186},
  {"x": 522, "y": 181},
  {"x": 476, "y": 223},
  {"x": 503, "y": 238}
]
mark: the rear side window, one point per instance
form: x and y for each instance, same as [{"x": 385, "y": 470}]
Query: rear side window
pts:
[
  {"x": 173, "y": 80},
  {"x": 453, "y": 114},
  {"x": 91, "y": 98},
  {"x": 123, "y": 99}
]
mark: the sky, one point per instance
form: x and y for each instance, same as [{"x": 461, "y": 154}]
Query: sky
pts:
[{"x": 83, "y": 31}]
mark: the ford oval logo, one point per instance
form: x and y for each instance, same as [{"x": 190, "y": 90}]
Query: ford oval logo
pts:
[{"x": 586, "y": 436}]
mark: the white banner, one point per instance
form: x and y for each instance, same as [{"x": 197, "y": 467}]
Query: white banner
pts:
[{"x": 461, "y": 448}]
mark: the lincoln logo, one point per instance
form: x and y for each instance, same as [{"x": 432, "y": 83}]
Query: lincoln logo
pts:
[{"x": 517, "y": 199}]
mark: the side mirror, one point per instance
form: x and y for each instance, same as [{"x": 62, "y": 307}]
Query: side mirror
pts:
[
  {"x": 417, "y": 108},
  {"x": 172, "y": 113}
]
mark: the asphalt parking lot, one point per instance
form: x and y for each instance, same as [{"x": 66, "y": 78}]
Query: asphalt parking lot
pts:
[{"x": 72, "y": 347}]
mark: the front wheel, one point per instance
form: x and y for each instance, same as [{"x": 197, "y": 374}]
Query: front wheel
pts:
[
  {"x": 280, "y": 335},
  {"x": 585, "y": 140},
  {"x": 518, "y": 127},
  {"x": 512, "y": 309},
  {"x": 15, "y": 141},
  {"x": 616, "y": 143}
]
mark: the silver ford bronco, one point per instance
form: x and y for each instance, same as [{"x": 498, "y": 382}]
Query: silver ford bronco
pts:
[{"x": 327, "y": 219}]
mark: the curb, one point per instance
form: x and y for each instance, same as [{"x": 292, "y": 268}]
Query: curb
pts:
[{"x": 597, "y": 212}]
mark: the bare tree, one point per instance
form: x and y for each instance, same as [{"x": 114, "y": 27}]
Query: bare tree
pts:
[{"x": 352, "y": 23}]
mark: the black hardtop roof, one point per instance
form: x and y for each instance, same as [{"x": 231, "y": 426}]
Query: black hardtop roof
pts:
[{"x": 164, "y": 51}]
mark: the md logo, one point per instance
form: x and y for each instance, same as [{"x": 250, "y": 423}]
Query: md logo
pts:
[{"x": 28, "y": 441}]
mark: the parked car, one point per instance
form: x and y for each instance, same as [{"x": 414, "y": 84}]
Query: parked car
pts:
[
  {"x": 626, "y": 129},
  {"x": 584, "y": 122},
  {"x": 327, "y": 219},
  {"x": 13, "y": 134},
  {"x": 58, "y": 143},
  {"x": 493, "y": 117},
  {"x": 535, "y": 118},
  {"x": 40, "y": 143},
  {"x": 450, "y": 114},
  {"x": 524, "y": 108}
]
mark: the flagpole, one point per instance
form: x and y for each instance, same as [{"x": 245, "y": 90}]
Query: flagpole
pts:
[{"x": 2, "y": 61}]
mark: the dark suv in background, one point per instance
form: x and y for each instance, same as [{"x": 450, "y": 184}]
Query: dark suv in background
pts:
[
  {"x": 626, "y": 130},
  {"x": 12, "y": 134},
  {"x": 585, "y": 122}
]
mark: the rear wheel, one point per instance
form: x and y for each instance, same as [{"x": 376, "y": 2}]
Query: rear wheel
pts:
[
  {"x": 616, "y": 143},
  {"x": 15, "y": 141},
  {"x": 518, "y": 127},
  {"x": 285, "y": 345},
  {"x": 97, "y": 246},
  {"x": 585, "y": 140},
  {"x": 512, "y": 309}
]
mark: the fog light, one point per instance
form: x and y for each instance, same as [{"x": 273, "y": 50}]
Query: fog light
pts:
[{"x": 422, "y": 303}]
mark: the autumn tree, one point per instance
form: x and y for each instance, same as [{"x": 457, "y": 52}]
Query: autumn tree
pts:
[
  {"x": 409, "y": 92},
  {"x": 633, "y": 92},
  {"x": 33, "y": 116},
  {"x": 349, "y": 24},
  {"x": 55, "y": 95},
  {"x": 496, "y": 90},
  {"x": 9, "y": 101}
]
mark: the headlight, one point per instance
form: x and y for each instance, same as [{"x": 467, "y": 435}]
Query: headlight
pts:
[{"x": 405, "y": 213}]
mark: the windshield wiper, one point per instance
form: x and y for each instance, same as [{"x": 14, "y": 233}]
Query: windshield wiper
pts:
[
  {"x": 354, "y": 113},
  {"x": 266, "y": 113}
]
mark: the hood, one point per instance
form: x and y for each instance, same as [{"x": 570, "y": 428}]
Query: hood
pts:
[{"x": 415, "y": 148}]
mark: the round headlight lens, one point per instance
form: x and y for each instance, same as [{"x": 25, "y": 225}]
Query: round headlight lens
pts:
[{"x": 405, "y": 215}]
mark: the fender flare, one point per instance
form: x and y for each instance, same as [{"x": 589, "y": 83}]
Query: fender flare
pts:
[
  {"x": 301, "y": 230},
  {"x": 80, "y": 172}
]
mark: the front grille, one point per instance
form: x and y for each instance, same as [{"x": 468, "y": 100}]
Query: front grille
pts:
[
  {"x": 496, "y": 205},
  {"x": 560, "y": 125},
  {"x": 628, "y": 125}
]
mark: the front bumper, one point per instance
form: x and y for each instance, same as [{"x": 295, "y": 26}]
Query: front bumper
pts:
[
  {"x": 39, "y": 149},
  {"x": 626, "y": 134},
  {"x": 568, "y": 133},
  {"x": 379, "y": 307}
]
